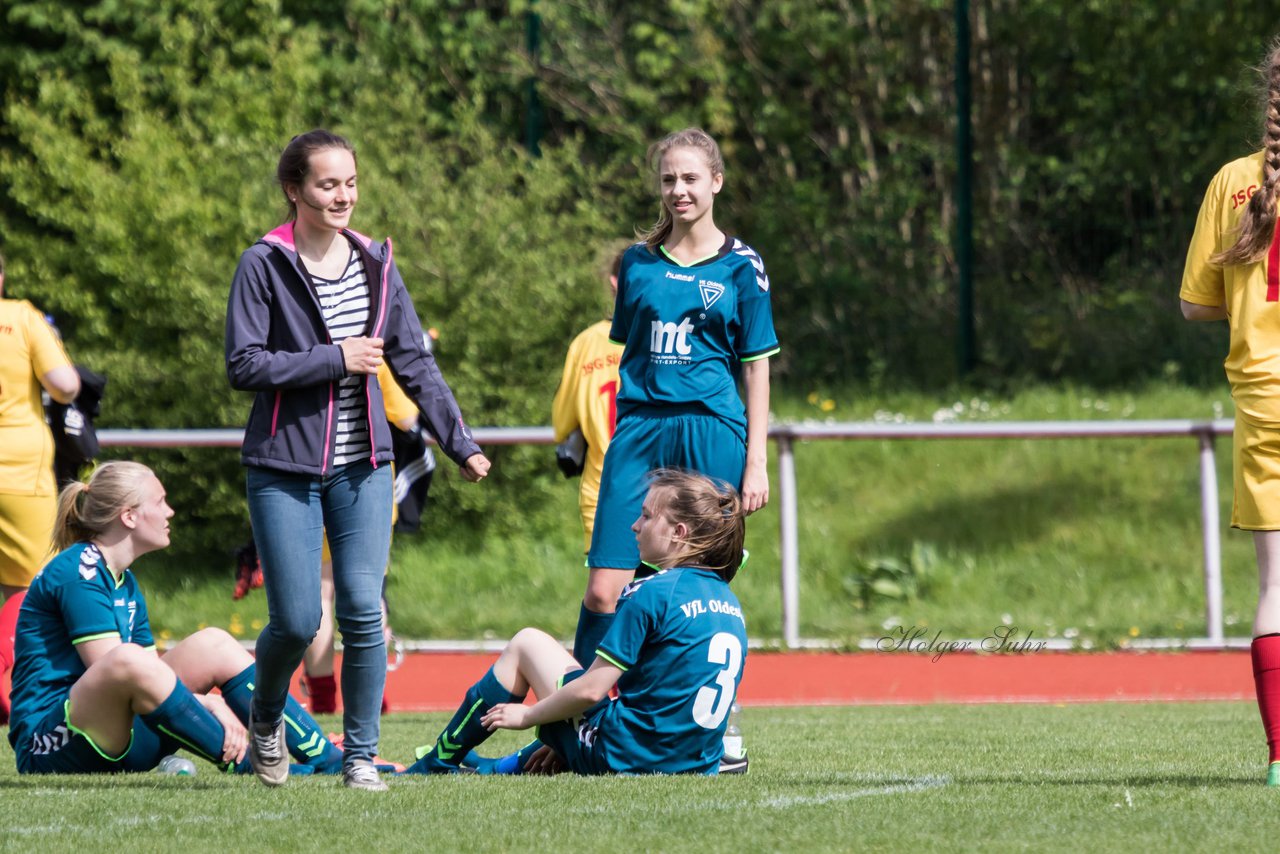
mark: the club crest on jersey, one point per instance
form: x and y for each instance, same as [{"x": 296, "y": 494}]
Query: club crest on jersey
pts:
[{"x": 711, "y": 291}]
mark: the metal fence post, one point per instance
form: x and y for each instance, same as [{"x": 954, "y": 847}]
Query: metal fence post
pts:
[
  {"x": 789, "y": 542},
  {"x": 1212, "y": 544}
]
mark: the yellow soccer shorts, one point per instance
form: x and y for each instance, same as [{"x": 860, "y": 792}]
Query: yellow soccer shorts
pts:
[
  {"x": 1256, "y": 476},
  {"x": 26, "y": 536}
]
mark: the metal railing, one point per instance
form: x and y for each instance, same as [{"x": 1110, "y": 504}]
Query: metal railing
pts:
[{"x": 786, "y": 435}]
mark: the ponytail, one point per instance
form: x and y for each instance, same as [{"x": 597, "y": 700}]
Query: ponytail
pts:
[
  {"x": 711, "y": 510},
  {"x": 86, "y": 510},
  {"x": 1257, "y": 226},
  {"x": 687, "y": 138}
]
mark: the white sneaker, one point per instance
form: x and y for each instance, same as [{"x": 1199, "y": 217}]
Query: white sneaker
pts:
[
  {"x": 362, "y": 775},
  {"x": 267, "y": 755}
]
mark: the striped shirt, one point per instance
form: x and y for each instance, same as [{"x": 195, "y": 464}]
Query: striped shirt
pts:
[{"x": 345, "y": 304}]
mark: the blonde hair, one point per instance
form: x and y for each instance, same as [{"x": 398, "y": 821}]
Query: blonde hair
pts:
[
  {"x": 86, "y": 510},
  {"x": 712, "y": 512},
  {"x": 687, "y": 138},
  {"x": 1257, "y": 226}
]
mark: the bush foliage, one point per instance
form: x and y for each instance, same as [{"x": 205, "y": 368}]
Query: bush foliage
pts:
[{"x": 138, "y": 140}]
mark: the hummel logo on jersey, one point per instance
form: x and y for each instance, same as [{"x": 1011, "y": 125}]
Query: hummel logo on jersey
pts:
[
  {"x": 679, "y": 277},
  {"x": 670, "y": 340},
  {"x": 711, "y": 291}
]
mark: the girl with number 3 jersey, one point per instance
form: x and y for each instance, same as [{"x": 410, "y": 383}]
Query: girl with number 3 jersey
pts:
[{"x": 675, "y": 652}]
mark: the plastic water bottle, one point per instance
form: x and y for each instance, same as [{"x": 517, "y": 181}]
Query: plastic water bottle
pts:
[
  {"x": 733, "y": 747},
  {"x": 177, "y": 766}
]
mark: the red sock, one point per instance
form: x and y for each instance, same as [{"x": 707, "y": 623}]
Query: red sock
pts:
[
  {"x": 323, "y": 691},
  {"x": 1266, "y": 678},
  {"x": 8, "y": 627}
]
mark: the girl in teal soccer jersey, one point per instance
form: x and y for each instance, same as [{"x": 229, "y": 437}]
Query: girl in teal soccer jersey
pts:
[
  {"x": 694, "y": 317},
  {"x": 90, "y": 694},
  {"x": 675, "y": 653}
]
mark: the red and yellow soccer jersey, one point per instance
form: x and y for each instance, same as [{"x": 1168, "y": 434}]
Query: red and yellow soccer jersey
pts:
[
  {"x": 28, "y": 349},
  {"x": 1250, "y": 292},
  {"x": 397, "y": 404},
  {"x": 587, "y": 401}
]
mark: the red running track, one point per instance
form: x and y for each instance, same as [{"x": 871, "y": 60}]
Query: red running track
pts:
[{"x": 436, "y": 681}]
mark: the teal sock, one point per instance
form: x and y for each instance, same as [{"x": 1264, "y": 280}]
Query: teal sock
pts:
[
  {"x": 592, "y": 627},
  {"x": 182, "y": 718},
  {"x": 302, "y": 735},
  {"x": 464, "y": 731}
]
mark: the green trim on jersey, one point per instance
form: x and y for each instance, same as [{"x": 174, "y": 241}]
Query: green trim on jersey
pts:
[
  {"x": 602, "y": 654},
  {"x": 775, "y": 351},
  {"x": 66, "y": 716},
  {"x": 99, "y": 636},
  {"x": 714, "y": 255}
]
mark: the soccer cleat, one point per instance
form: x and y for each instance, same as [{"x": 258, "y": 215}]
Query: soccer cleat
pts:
[
  {"x": 362, "y": 775},
  {"x": 338, "y": 739},
  {"x": 733, "y": 764},
  {"x": 267, "y": 756},
  {"x": 248, "y": 571},
  {"x": 1273, "y": 774}
]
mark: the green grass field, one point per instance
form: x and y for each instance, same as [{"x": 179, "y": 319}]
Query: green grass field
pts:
[
  {"x": 1104, "y": 777},
  {"x": 1092, "y": 540}
]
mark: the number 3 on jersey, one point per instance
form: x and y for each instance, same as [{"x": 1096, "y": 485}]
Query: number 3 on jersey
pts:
[{"x": 711, "y": 705}]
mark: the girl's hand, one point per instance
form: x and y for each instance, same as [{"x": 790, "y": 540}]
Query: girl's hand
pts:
[
  {"x": 236, "y": 738},
  {"x": 475, "y": 468},
  {"x": 361, "y": 355},
  {"x": 755, "y": 488},
  {"x": 506, "y": 716}
]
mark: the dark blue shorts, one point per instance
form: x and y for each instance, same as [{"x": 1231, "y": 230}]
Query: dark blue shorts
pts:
[
  {"x": 59, "y": 748},
  {"x": 642, "y": 443},
  {"x": 574, "y": 740}
]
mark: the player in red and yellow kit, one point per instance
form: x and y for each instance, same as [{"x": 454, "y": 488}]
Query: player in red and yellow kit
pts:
[
  {"x": 31, "y": 359},
  {"x": 586, "y": 404},
  {"x": 1233, "y": 273}
]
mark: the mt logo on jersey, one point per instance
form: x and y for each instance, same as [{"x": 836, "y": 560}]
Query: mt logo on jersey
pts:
[{"x": 669, "y": 342}]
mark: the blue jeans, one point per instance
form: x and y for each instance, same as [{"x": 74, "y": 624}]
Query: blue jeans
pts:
[{"x": 290, "y": 514}]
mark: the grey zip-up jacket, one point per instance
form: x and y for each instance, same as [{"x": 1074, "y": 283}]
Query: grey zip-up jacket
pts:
[{"x": 277, "y": 345}]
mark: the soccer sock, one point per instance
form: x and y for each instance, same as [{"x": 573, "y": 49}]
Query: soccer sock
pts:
[
  {"x": 302, "y": 735},
  {"x": 9, "y": 628},
  {"x": 323, "y": 691},
  {"x": 182, "y": 718},
  {"x": 464, "y": 732},
  {"x": 1265, "y": 652},
  {"x": 592, "y": 627}
]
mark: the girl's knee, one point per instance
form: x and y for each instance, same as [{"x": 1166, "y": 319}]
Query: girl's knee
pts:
[{"x": 127, "y": 664}]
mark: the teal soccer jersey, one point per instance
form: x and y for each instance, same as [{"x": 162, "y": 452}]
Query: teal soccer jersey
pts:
[
  {"x": 686, "y": 330},
  {"x": 681, "y": 642},
  {"x": 74, "y": 599}
]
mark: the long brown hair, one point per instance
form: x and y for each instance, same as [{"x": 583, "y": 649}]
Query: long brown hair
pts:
[
  {"x": 86, "y": 510},
  {"x": 687, "y": 138},
  {"x": 712, "y": 512},
  {"x": 1257, "y": 226}
]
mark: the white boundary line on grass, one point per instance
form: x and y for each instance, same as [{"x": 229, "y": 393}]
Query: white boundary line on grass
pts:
[{"x": 919, "y": 784}]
